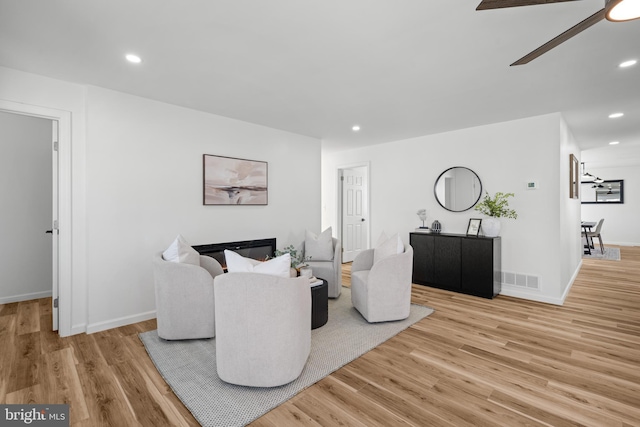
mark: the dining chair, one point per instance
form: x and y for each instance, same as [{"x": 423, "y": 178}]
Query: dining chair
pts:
[{"x": 596, "y": 233}]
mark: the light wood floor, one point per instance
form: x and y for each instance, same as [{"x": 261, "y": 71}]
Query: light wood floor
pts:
[{"x": 474, "y": 362}]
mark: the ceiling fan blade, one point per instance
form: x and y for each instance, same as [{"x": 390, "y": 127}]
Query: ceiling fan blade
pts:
[
  {"x": 499, "y": 4},
  {"x": 576, "y": 29}
]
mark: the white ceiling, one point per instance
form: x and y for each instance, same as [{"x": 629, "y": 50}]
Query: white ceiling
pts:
[{"x": 398, "y": 68}]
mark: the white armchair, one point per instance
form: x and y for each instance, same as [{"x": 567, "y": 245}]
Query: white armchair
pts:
[
  {"x": 263, "y": 328},
  {"x": 331, "y": 271},
  {"x": 382, "y": 291},
  {"x": 184, "y": 298}
]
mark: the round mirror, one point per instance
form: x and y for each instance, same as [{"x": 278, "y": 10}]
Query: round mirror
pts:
[{"x": 458, "y": 189}]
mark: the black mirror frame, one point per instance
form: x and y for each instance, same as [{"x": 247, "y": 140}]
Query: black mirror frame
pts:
[
  {"x": 621, "y": 181},
  {"x": 435, "y": 194}
]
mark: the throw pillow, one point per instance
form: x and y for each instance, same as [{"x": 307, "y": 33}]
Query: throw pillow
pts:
[
  {"x": 383, "y": 238},
  {"x": 181, "y": 251},
  {"x": 318, "y": 248},
  {"x": 278, "y": 266},
  {"x": 392, "y": 246}
]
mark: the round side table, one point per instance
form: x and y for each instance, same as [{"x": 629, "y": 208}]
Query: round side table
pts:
[{"x": 319, "y": 304}]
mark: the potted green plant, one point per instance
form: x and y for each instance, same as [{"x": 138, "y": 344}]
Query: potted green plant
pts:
[
  {"x": 297, "y": 260},
  {"x": 495, "y": 207}
]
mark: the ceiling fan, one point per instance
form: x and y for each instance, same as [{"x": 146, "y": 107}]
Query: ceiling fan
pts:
[{"x": 613, "y": 10}]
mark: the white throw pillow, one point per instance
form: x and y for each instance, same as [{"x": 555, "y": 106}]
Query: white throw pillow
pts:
[
  {"x": 318, "y": 248},
  {"x": 392, "y": 246},
  {"x": 278, "y": 266},
  {"x": 181, "y": 251},
  {"x": 383, "y": 238}
]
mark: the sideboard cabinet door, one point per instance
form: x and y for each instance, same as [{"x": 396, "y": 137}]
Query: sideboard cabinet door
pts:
[
  {"x": 479, "y": 266},
  {"x": 422, "y": 245},
  {"x": 447, "y": 257}
]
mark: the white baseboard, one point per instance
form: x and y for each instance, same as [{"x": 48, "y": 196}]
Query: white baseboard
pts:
[
  {"x": 518, "y": 292},
  {"x": 78, "y": 329},
  {"x": 25, "y": 297},
  {"x": 122, "y": 321},
  {"x": 622, "y": 243}
]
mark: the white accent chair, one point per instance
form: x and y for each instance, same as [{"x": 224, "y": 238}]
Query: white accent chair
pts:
[
  {"x": 263, "y": 328},
  {"x": 381, "y": 292},
  {"x": 331, "y": 271},
  {"x": 184, "y": 298}
]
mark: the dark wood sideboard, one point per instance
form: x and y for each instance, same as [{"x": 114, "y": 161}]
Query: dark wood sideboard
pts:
[{"x": 456, "y": 262}]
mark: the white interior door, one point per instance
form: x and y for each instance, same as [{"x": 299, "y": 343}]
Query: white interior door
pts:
[{"x": 354, "y": 216}]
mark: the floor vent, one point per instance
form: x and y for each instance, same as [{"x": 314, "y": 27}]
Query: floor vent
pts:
[{"x": 521, "y": 280}]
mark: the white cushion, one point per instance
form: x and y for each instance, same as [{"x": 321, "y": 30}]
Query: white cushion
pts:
[
  {"x": 278, "y": 266},
  {"x": 392, "y": 246},
  {"x": 383, "y": 238},
  {"x": 318, "y": 248},
  {"x": 181, "y": 251}
]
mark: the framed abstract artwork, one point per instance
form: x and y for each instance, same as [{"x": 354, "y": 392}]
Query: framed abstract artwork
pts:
[{"x": 231, "y": 181}]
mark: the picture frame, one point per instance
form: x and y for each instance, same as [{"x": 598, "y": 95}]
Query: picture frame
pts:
[
  {"x": 233, "y": 181},
  {"x": 574, "y": 177},
  {"x": 473, "y": 229}
]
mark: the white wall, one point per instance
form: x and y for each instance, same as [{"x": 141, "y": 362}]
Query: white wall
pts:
[
  {"x": 136, "y": 180},
  {"x": 621, "y": 220},
  {"x": 25, "y": 211},
  {"x": 570, "y": 211},
  {"x": 506, "y": 156},
  {"x": 144, "y": 183}
]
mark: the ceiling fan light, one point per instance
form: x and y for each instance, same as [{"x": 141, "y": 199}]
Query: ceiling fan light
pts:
[{"x": 622, "y": 10}]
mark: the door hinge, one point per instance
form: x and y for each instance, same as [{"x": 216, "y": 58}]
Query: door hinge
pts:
[
  {"x": 55, "y": 224},
  {"x": 55, "y": 303},
  {"x": 55, "y": 145}
]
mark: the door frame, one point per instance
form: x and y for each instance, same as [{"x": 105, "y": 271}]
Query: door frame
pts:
[
  {"x": 63, "y": 198},
  {"x": 366, "y": 202}
]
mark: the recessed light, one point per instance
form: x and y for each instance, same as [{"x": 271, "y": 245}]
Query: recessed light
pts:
[
  {"x": 614, "y": 143},
  {"x": 133, "y": 58},
  {"x": 615, "y": 115},
  {"x": 355, "y": 128},
  {"x": 628, "y": 63}
]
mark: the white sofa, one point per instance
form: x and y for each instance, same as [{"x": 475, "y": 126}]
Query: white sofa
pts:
[
  {"x": 184, "y": 298},
  {"x": 382, "y": 291},
  {"x": 263, "y": 328}
]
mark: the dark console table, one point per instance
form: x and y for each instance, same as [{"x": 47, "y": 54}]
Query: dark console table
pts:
[{"x": 456, "y": 262}]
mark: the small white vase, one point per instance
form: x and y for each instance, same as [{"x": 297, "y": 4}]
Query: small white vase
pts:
[{"x": 491, "y": 227}]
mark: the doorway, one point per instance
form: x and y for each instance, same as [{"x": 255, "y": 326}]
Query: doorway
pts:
[
  {"x": 29, "y": 191},
  {"x": 353, "y": 210}
]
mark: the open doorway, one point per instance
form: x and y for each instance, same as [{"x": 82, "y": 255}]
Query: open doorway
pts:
[
  {"x": 353, "y": 210},
  {"x": 28, "y": 213}
]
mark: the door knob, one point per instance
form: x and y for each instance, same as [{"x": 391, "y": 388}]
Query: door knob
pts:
[{"x": 362, "y": 219}]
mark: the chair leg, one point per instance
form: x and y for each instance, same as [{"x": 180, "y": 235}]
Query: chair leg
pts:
[{"x": 601, "y": 245}]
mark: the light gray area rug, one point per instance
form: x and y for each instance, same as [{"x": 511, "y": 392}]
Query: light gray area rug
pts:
[
  {"x": 611, "y": 254},
  {"x": 189, "y": 367}
]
